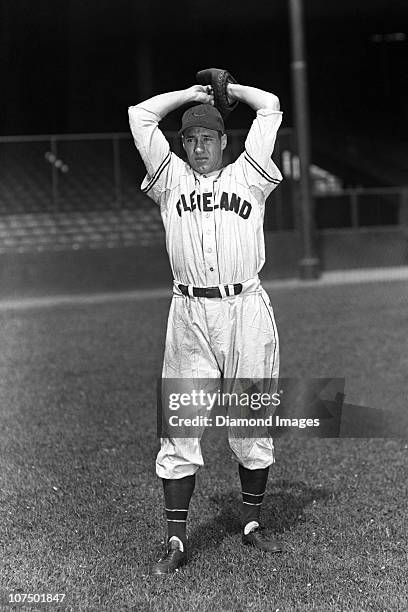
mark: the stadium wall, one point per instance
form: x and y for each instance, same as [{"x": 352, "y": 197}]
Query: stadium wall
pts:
[{"x": 141, "y": 267}]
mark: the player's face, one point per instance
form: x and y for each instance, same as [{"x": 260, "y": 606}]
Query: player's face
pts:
[{"x": 204, "y": 149}]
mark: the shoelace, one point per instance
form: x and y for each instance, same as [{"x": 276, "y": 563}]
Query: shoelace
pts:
[{"x": 170, "y": 554}]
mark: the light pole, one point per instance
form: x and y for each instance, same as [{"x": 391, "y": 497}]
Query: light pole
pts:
[{"x": 309, "y": 262}]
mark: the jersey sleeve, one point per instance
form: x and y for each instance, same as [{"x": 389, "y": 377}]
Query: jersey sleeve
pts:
[
  {"x": 256, "y": 161},
  {"x": 154, "y": 150}
]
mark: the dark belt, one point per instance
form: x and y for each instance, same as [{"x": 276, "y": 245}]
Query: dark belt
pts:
[{"x": 210, "y": 292}]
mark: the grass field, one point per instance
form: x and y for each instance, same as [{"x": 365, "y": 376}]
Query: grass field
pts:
[{"x": 81, "y": 508}]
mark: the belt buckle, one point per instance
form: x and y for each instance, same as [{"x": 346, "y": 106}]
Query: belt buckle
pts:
[{"x": 222, "y": 291}]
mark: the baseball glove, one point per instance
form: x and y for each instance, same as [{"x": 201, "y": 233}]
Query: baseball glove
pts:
[{"x": 218, "y": 79}]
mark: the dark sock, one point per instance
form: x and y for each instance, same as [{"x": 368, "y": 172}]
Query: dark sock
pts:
[
  {"x": 253, "y": 484},
  {"x": 177, "y": 495}
]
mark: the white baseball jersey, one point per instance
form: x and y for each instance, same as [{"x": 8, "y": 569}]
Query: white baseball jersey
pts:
[{"x": 213, "y": 223}]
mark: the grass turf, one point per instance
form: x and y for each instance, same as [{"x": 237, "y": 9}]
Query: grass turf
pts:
[{"x": 81, "y": 508}]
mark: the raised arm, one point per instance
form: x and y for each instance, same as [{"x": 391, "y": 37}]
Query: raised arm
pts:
[
  {"x": 165, "y": 103},
  {"x": 256, "y": 98},
  {"x": 150, "y": 141},
  {"x": 256, "y": 161}
]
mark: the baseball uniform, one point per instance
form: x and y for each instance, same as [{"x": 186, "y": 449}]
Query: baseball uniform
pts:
[{"x": 214, "y": 238}]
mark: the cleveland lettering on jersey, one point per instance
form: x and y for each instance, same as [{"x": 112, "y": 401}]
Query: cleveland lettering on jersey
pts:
[{"x": 205, "y": 202}]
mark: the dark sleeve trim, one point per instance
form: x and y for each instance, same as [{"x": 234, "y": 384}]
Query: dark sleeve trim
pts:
[
  {"x": 157, "y": 174},
  {"x": 260, "y": 170}
]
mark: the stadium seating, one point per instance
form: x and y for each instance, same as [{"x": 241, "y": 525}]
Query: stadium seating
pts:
[
  {"x": 74, "y": 204},
  {"x": 80, "y": 229}
]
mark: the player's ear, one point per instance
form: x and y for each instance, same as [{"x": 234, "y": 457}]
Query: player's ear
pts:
[
  {"x": 182, "y": 142},
  {"x": 223, "y": 142}
]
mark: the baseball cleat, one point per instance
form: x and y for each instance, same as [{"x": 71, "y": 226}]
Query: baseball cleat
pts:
[
  {"x": 259, "y": 540},
  {"x": 170, "y": 563}
]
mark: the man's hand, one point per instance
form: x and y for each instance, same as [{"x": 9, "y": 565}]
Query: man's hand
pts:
[
  {"x": 202, "y": 94},
  {"x": 165, "y": 103},
  {"x": 218, "y": 79}
]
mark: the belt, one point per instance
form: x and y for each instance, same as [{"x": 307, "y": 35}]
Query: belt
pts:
[{"x": 211, "y": 292}]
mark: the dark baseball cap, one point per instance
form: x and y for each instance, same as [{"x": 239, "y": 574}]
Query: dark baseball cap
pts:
[{"x": 202, "y": 115}]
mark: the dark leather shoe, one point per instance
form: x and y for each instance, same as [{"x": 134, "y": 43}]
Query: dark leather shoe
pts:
[
  {"x": 259, "y": 540},
  {"x": 174, "y": 559}
]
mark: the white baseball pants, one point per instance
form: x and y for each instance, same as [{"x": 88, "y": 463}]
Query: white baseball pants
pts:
[{"x": 232, "y": 337}]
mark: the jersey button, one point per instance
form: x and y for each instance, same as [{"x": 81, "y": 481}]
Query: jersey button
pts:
[
  {"x": 211, "y": 269},
  {"x": 207, "y": 215},
  {"x": 209, "y": 250}
]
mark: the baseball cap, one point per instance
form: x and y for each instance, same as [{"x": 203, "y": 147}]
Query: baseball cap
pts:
[{"x": 202, "y": 115}]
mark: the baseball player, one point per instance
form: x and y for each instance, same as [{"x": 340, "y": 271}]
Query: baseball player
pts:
[{"x": 221, "y": 323}]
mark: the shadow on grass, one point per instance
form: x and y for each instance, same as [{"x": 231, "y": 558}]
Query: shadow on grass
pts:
[{"x": 282, "y": 508}]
